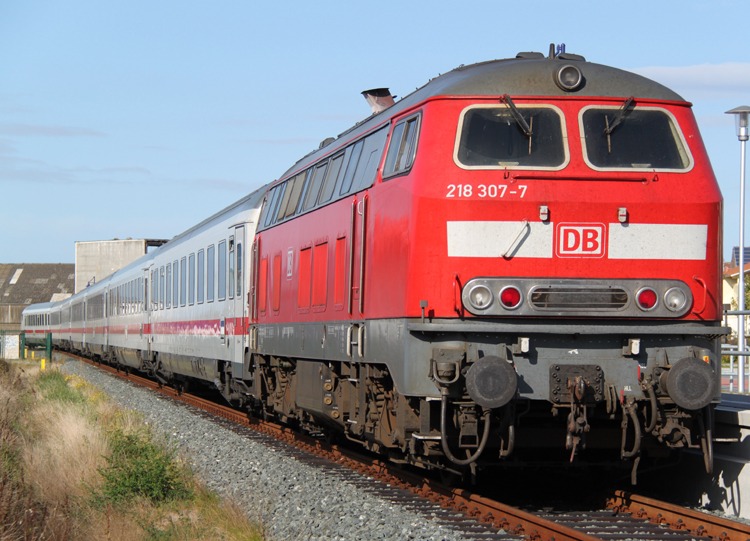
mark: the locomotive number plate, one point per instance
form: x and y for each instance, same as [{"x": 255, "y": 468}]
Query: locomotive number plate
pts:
[{"x": 492, "y": 191}]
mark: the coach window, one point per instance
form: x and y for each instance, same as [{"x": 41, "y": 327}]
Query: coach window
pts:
[
  {"x": 239, "y": 269},
  {"x": 312, "y": 193},
  {"x": 201, "y": 272},
  {"x": 511, "y": 136},
  {"x": 169, "y": 285},
  {"x": 183, "y": 281},
  {"x": 175, "y": 284},
  {"x": 333, "y": 174},
  {"x": 155, "y": 289},
  {"x": 191, "y": 279},
  {"x": 231, "y": 267},
  {"x": 222, "y": 270},
  {"x": 210, "y": 268},
  {"x": 402, "y": 148},
  {"x": 626, "y": 138},
  {"x": 161, "y": 289}
]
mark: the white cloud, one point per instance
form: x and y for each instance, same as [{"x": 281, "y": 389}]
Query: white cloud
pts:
[{"x": 730, "y": 80}]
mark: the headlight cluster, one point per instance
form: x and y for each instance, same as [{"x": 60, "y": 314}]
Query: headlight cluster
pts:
[
  {"x": 481, "y": 297},
  {"x": 574, "y": 297},
  {"x": 674, "y": 299}
]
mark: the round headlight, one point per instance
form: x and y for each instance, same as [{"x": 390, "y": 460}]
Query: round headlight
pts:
[
  {"x": 675, "y": 299},
  {"x": 568, "y": 78},
  {"x": 480, "y": 297},
  {"x": 510, "y": 297},
  {"x": 647, "y": 299}
]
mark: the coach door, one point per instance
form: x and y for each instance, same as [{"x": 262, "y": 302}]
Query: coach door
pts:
[
  {"x": 240, "y": 308},
  {"x": 146, "y": 323}
]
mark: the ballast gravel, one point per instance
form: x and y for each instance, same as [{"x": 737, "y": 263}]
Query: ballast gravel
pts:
[{"x": 291, "y": 500}]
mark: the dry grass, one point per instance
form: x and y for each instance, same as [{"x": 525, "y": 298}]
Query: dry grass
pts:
[
  {"x": 53, "y": 440},
  {"x": 64, "y": 459}
]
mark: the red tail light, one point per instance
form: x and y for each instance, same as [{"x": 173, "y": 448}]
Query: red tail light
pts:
[
  {"x": 647, "y": 298},
  {"x": 510, "y": 297}
]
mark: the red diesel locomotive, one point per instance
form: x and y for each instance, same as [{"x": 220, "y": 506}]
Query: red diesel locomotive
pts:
[
  {"x": 533, "y": 260},
  {"x": 518, "y": 262}
]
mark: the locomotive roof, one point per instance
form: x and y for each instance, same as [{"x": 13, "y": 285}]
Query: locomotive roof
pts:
[{"x": 516, "y": 77}]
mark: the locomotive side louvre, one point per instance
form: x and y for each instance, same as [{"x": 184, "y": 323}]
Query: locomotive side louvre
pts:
[{"x": 534, "y": 239}]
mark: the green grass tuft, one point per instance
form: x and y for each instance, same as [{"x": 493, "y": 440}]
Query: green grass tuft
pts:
[
  {"x": 54, "y": 386},
  {"x": 139, "y": 466}
]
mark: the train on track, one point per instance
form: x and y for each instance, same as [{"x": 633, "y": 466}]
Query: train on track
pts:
[{"x": 517, "y": 263}]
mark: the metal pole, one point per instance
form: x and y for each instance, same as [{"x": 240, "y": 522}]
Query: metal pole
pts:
[{"x": 741, "y": 283}]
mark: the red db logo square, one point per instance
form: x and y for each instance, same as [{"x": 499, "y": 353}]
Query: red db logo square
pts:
[{"x": 580, "y": 240}]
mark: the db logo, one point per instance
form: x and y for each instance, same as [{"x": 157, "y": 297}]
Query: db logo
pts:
[{"x": 580, "y": 240}]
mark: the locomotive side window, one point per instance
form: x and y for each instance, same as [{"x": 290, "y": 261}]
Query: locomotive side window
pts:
[
  {"x": 201, "y": 273},
  {"x": 351, "y": 167},
  {"x": 490, "y": 137},
  {"x": 333, "y": 174},
  {"x": 372, "y": 152},
  {"x": 210, "y": 267},
  {"x": 270, "y": 206},
  {"x": 312, "y": 193},
  {"x": 295, "y": 191},
  {"x": 222, "y": 270},
  {"x": 622, "y": 138},
  {"x": 402, "y": 148}
]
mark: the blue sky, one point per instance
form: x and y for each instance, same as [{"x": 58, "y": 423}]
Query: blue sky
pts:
[{"x": 141, "y": 118}]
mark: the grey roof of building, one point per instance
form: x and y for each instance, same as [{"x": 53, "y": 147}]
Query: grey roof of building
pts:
[{"x": 31, "y": 283}]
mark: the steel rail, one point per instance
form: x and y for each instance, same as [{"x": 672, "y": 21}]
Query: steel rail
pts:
[{"x": 679, "y": 518}]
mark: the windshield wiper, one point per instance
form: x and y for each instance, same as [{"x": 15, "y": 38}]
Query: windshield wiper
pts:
[
  {"x": 619, "y": 115},
  {"x": 518, "y": 117}
]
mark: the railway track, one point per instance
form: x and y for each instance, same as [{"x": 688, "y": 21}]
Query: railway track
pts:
[{"x": 623, "y": 515}]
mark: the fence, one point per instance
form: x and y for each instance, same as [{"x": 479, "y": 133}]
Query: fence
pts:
[{"x": 740, "y": 375}]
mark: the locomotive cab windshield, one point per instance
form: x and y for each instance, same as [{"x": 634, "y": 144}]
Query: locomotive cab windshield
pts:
[
  {"x": 490, "y": 137},
  {"x": 645, "y": 138}
]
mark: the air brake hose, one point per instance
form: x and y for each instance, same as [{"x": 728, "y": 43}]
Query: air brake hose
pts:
[
  {"x": 444, "y": 439},
  {"x": 630, "y": 410}
]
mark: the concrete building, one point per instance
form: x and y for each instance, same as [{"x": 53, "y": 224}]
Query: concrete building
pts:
[
  {"x": 96, "y": 260},
  {"x": 22, "y": 284}
]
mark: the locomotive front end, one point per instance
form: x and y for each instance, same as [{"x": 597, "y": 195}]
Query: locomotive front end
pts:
[{"x": 578, "y": 306}]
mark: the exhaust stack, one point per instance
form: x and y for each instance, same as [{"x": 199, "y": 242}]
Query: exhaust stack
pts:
[{"x": 379, "y": 99}]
